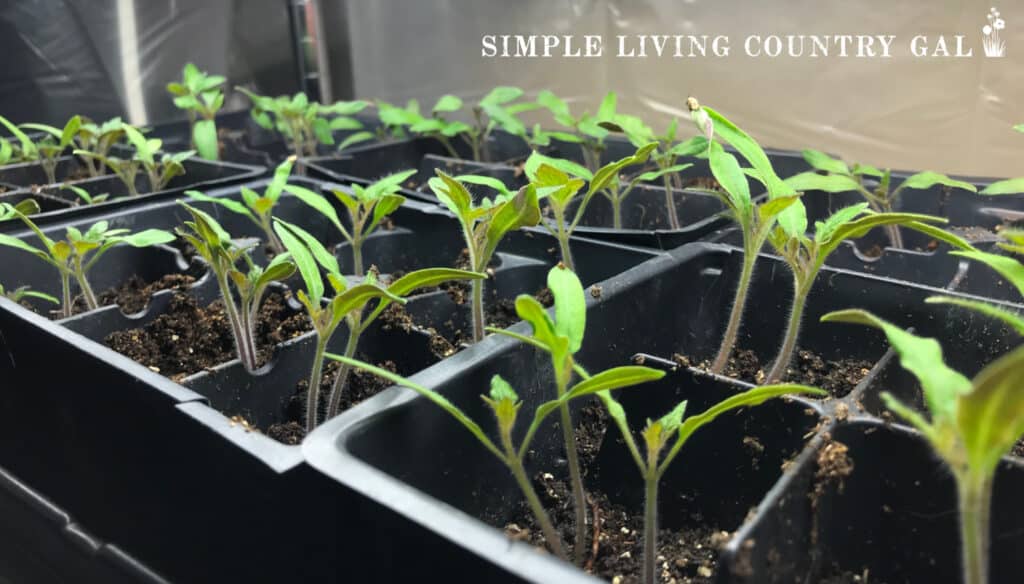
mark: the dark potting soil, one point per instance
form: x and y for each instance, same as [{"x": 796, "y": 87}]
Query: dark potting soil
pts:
[
  {"x": 188, "y": 338},
  {"x": 362, "y": 385},
  {"x": 846, "y": 577},
  {"x": 134, "y": 294},
  {"x": 685, "y": 556},
  {"x": 838, "y": 378}
]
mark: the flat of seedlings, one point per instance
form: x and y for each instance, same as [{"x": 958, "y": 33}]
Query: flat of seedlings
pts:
[
  {"x": 838, "y": 378},
  {"x": 189, "y": 338}
]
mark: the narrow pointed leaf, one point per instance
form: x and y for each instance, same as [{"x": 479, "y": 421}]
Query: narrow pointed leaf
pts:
[
  {"x": 1014, "y": 320},
  {"x": 615, "y": 378}
]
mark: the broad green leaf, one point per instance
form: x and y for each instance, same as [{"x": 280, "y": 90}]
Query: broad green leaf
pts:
[
  {"x": 1008, "y": 267},
  {"x": 607, "y": 109},
  {"x": 320, "y": 253},
  {"x": 695, "y": 146},
  {"x": 16, "y": 243},
  {"x": 501, "y": 95},
  {"x": 1011, "y": 186},
  {"x": 304, "y": 261},
  {"x": 280, "y": 268},
  {"x": 656, "y": 174},
  {"x": 344, "y": 123},
  {"x": 486, "y": 181},
  {"x": 6, "y": 151},
  {"x": 355, "y": 139},
  {"x": 322, "y": 131},
  {"x": 567, "y": 166},
  {"x": 28, "y": 148},
  {"x": 829, "y": 183},
  {"x": 671, "y": 421},
  {"x": 554, "y": 104},
  {"x": 452, "y": 193},
  {"x": 70, "y": 129},
  {"x": 317, "y": 202},
  {"x": 991, "y": 417},
  {"x": 824, "y": 230},
  {"x": 518, "y": 211},
  {"x": 447, "y": 103},
  {"x": 147, "y": 238},
  {"x": 615, "y": 378},
  {"x": 867, "y": 170},
  {"x": 822, "y": 161},
  {"x": 356, "y": 297},
  {"x": 609, "y": 172},
  {"x": 923, "y": 180},
  {"x": 1014, "y": 320},
  {"x": 726, "y": 170},
  {"x": 752, "y": 151},
  {"x": 233, "y": 206},
  {"x": 430, "y": 277},
  {"x": 388, "y": 185},
  {"x": 570, "y": 305},
  {"x": 281, "y": 174},
  {"x": 921, "y": 356},
  {"x": 861, "y": 226},
  {"x": 204, "y": 135},
  {"x": 429, "y": 394},
  {"x": 385, "y": 206},
  {"x": 769, "y": 209}
]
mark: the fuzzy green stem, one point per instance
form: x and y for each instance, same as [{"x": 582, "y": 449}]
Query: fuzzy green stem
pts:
[
  {"x": 670, "y": 203},
  {"x": 448, "y": 146},
  {"x": 65, "y": 289},
  {"x": 892, "y": 231},
  {"x": 576, "y": 477},
  {"x": 616, "y": 213},
  {"x": 357, "y": 256},
  {"x": 650, "y": 527},
  {"x": 313, "y": 391},
  {"x": 563, "y": 240},
  {"x": 477, "y": 301},
  {"x": 341, "y": 381},
  {"x": 272, "y": 239},
  {"x": 778, "y": 370},
  {"x": 975, "y": 512},
  {"x": 736, "y": 316},
  {"x": 515, "y": 464},
  {"x": 83, "y": 284},
  {"x": 244, "y": 342},
  {"x": 50, "y": 168}
]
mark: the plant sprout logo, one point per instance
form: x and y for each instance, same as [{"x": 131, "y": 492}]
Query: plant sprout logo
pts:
[{"x": 994, "y": 45}]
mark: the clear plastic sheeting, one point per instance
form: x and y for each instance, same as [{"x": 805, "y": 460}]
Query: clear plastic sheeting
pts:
[
  {"x": 951, "y": 114},
  {"x": 102, "y": 59}
]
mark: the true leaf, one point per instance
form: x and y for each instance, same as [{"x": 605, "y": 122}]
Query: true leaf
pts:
[{"x": 570, "y": 305}]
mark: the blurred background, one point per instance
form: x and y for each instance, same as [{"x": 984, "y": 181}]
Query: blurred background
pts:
[{"x": 114, "y": 57}]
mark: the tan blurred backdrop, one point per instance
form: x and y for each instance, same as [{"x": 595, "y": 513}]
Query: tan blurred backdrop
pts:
[{"x": 947, "y": 114}]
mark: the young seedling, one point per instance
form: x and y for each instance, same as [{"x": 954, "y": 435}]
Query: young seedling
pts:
[
  {"x": 23, "y": 292},
  {"x": 84, "y": 195},
  {"x": 224, "y": 255},
  {"x": 260, "y": 208},
  {"x": 558, "y": 182},
  {"x": 304, "y": 124},
  {"x": 561, "y": 338},
  {"x": 9, "y": 212},
  {"x": 665, "y": 157},
  {"x": 755, "y": 220},
  {"x": 483, "y": 227},
  {"x": 98, "y": 139},
  {"x": 76, "y": 255},
  {"x": 1007, "y": 267},
  {"x": 348, "y": 306},
  {"x": 806, "y": 255},
  {"x": 973, "y": 424},
  {"x": 160, "y": 167},
  {"x": 840, "y": 178},
  {"x": 54, "y": 144},
  {"x": 588, "y": 129},
  {"x": 200, "y": 95},
  {"x": 1010, "y": 186},
  {"x": 673, "y": 428},
  {"x": 366, "y": 208}
]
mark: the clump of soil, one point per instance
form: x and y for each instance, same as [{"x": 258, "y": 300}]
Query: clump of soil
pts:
[
  {"x": 686, "y": 555},
  {"x": 838, "y": 378},
  {"x": 134, "y": 294},
  {"x": 188, "y": 338},
  {"x": 362, "y": 385}
]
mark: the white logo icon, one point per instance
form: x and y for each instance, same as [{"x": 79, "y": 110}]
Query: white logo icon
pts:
[{"x": 994, "y": 45}]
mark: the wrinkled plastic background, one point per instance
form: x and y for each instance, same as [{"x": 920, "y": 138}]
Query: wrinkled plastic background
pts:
[{"x": 951, "y": 115}]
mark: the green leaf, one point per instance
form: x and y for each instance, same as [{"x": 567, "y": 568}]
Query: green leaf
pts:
[
  {"x": 147, "y": 238},
  {"x": 322, "y": 131},
  {"x": 824, "y": 230},
  {"x": 867, "y": 170},
  {"x": 726, "y": 170},
  {"x": 1008, "y": 267},
  {"x": 390, "y": 184},
  {"x": 607, "y": 109},
  {"x": 829, "y": 183},
  {"x": 429, "y": 394},
  {"x": 569, "y": 167},
  {"x": 609, "y": 172},
  {"x": 554, "y": 104},
  {"x": 752, "y": 151},
  {"x": 355, "y": 139},
  {"x": 233, "y": 206},
  {"x": 385, "y": 206},
  {"x": 320, "y": 253},
  {"x": 822, "y": 161},
  {"x": 317, "y": 202},
  {"x": 695, "y": 146},
  {"x": 304, "y": 261},
  {"x": 861, "y": 226},
  {"x": 769, "y": 209},
  {"x": 570, "y": 305},
  {"x": 615, "y": 378},
  {"x": 922, "y": 357},
  {"x": 279, "y": 269},
  {"x": 501, "y": 95},
  {"x": 1011, "y": 186},
  {"x": 452, "y": 193},
  {"x": 70, "y": 130},
  {"x": 991, "y": 417},
  {"x": 447, "y": 103},
  {"x": 671, "y": 421},
  {"x": 519, "y": 211},
  {"x": 1015, "y": 321},
  {"x": 281, "y": 174},
  {"x": 28, "y": 148},
  {"x": 656, "y": 174},
  {"x": 923, "y": 180},
  {"x": 16, "y": 243},
  {"x": 486, "y": 181},
  {"x": 1019, "y": 128},
  {"x": 430, "y": 277},
  {"x": 345, "y": 123},
  {"x": 204, "y": 135}
]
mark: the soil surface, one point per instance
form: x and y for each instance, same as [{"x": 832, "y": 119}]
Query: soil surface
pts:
[
  {"x": 188, "y": 338},
  {"x": 838, "y": 378},
  {"x": 686, "y": 555},
  {"x": 362, "y": 385},
  {"x": 134, "y": 294}
]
